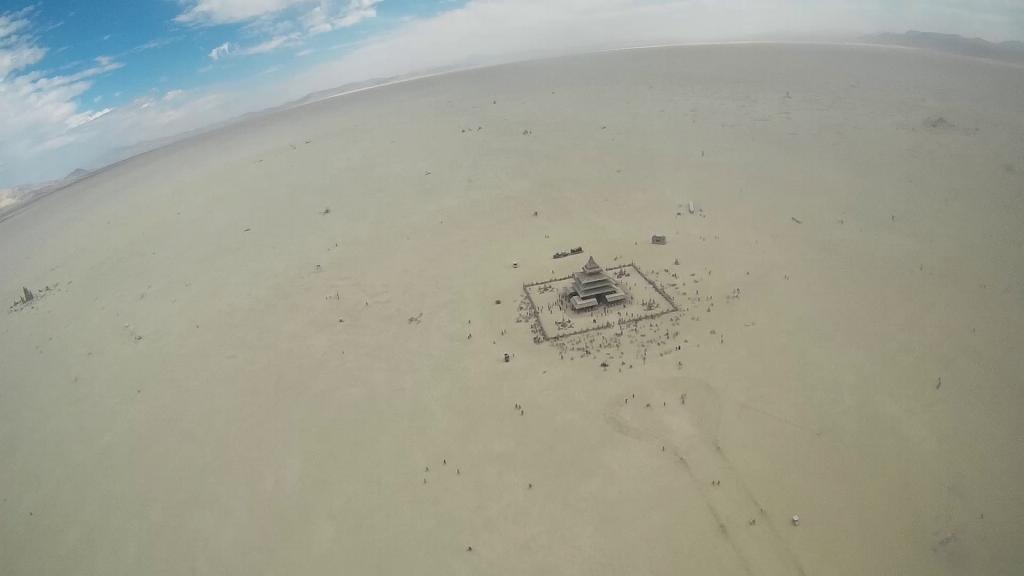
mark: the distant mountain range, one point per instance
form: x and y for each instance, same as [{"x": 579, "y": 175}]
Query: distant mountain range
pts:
[
  {"x": 16, "y": 197},
  {"x": 1010, "y": 51}
]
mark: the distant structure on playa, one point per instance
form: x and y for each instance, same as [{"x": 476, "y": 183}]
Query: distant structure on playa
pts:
[{"x": 591, "y": 287}]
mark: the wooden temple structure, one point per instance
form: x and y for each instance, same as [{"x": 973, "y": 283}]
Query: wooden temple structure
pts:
[{"x": 592, "y": 286}]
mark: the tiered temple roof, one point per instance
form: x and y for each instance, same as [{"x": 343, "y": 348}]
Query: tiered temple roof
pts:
[{"x": 592, "y": 283}]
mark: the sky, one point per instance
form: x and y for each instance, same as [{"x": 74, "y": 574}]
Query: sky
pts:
[{"x": 84, "y": 82}]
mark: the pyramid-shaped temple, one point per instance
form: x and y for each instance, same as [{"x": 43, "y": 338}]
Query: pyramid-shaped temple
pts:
[{"x": 592, "y": 286}]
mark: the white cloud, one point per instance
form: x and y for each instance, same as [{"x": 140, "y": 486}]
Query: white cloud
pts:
[
  {"x": 268, "y": 46},
  {"x": 38, "y": 111},
  {"x": 157, "y": 43},
  {"x": 228, "y": 11},
  {"x": 12, "y": 23},
  {"x": 221, "y": 51},
  {"x": 85, "y": 117},
  {"x": 18, "y": 56},
  {"x": 282, "y": 23},
  {"x": 230, "y": 49},
  {"x": 323, "y": 19},
  {"x": 324, "y": 14},
  {"x": 17, "y": 50}
]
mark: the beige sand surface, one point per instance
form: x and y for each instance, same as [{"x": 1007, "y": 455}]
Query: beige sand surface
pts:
[{"x": 224, "y": 380}]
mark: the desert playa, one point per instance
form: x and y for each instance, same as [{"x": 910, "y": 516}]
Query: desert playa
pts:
[{"x": 279, "y": 348}]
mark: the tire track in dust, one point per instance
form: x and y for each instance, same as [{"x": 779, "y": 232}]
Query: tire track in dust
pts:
[{"x": 782, "y": 560}]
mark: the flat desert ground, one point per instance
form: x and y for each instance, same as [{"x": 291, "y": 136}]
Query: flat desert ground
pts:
[{"x": 277, "y": 348}]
